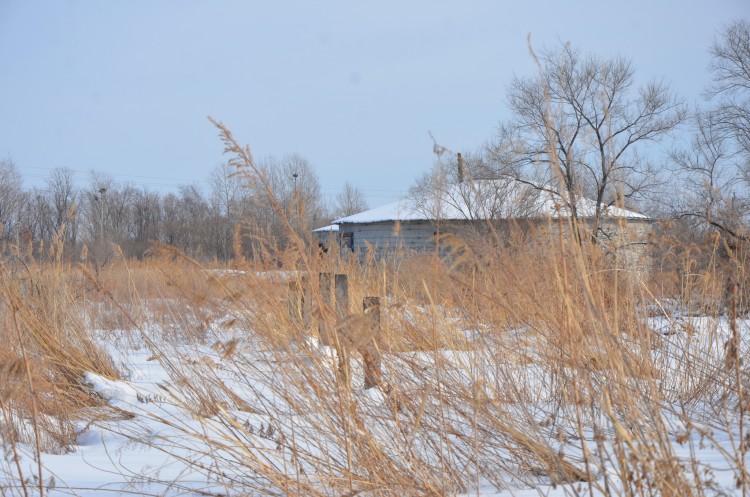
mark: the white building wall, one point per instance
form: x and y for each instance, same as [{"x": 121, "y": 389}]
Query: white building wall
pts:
[
  {"x": 387, "y": 237},
  {"x": 628, "y": 237}
]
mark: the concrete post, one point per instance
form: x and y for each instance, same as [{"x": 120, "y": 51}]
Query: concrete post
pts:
[{"x": 370, "y": 351}]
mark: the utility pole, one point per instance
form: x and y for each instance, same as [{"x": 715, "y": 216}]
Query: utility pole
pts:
[
  {"x": 296, "y": 201},
  {"x": 100, "y": 200}
]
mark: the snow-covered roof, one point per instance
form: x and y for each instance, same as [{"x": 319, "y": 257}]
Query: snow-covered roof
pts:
[
  {"x": 326, "y": 229},
  {"x": 487, "y": 199},
  {"x": 401, "y": 210}
]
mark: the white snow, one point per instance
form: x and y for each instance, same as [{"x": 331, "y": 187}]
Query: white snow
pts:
[
  {"x": 481, "y": 200},
  {"x": 156, "y": 447},
  {"x": 327, "y": 229},
  {"x": 110, "y": 390}
]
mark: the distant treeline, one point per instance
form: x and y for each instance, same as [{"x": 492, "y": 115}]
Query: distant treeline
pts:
[{"x": 236, "y": 212}]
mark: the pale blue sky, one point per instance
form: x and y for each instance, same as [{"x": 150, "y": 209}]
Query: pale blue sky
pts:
[{"x": 353, "y": 86}]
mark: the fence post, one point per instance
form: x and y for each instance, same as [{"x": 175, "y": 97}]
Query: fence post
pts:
[
  {"x": 342, "y": 296},
  {"x": 325, "y": 329},
  {"x": 370, "y": 351},
  {"x": 334, "y": 291},
  {"x": 298, "y": 301},
  {"x": 342, "y": 310}
]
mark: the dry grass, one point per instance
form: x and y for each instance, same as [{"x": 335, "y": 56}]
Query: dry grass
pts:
[
  {"x": 559, "y": 350},
  {"x": 517, "y": 360},
  {"x": 45, "y": 354},
  {"x": 520, "y": 365}
]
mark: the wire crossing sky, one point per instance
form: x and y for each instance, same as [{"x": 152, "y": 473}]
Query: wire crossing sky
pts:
[{"x": 125, "y": 87}]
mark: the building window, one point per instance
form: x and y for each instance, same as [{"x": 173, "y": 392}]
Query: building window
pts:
[{"x": 348, "y": 241}]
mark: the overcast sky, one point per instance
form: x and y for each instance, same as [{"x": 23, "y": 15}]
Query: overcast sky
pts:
[{"x": 355, "y": 87}]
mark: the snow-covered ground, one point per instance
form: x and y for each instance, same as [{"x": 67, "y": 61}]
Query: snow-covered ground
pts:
[{"x": 159, "y": 440}]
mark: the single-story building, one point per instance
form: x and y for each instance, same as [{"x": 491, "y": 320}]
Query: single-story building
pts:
[
  {"x": 327, "y": 236},
  {"x": 412, "y": 224}
]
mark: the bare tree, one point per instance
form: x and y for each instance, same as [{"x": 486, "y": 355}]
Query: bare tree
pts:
[
  {"x": 170, "y": 223},
  {"x": 465, "y": 187},
  {"x": 11, "y": 199},
  {"x": 730, "y": 89},
  {"x": 228, "y": 200},
  {"x": 94, "y": 205},
  {"x": 716, "y": 165},
  {"x": 577, "y": 127},
  {"x": 193, "y": 220},
  {"x": 294, "y": 186},
  {"x": 350, "y": 200},
  {"x": 145, "y": 222},
  {"x": 35, "y": 217},
  {"x": 227, "y": 191},
  {"x": 62, "y": 198},
  {"x": 715, "y": 195},
  {"x": 107, "y": 210}
]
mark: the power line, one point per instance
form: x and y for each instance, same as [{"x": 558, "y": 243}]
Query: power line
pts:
[
  {"x": 48, "y": 168},
  {"x": 162, "y": 182}
]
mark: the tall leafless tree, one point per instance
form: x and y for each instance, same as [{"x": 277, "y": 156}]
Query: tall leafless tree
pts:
[
  {"x": 469, "y": 188},
  {"x": 228, "y": 201},
  {"x": 171, "y": 222},
  {"x": 146, "y": 217},
  {"x": 63, "y": 196},
  {"x": 200, "y": 223},
  {"x": 11, "y": 200},
  {"x": 285, "y": 189},
  {"x": 576, "y": 129},
  {"x": 350, "y": 200},
  {"x": 730, "y": 88},
  {"x": 716, "y": 164},
  {"x": 35, "y": 216},
  {"x": 194, "y": 220}
]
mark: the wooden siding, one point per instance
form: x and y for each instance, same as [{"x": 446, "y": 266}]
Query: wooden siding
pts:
[
  {"x": 388, "y": 237},
  {"x": 625, "y": 238}
]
